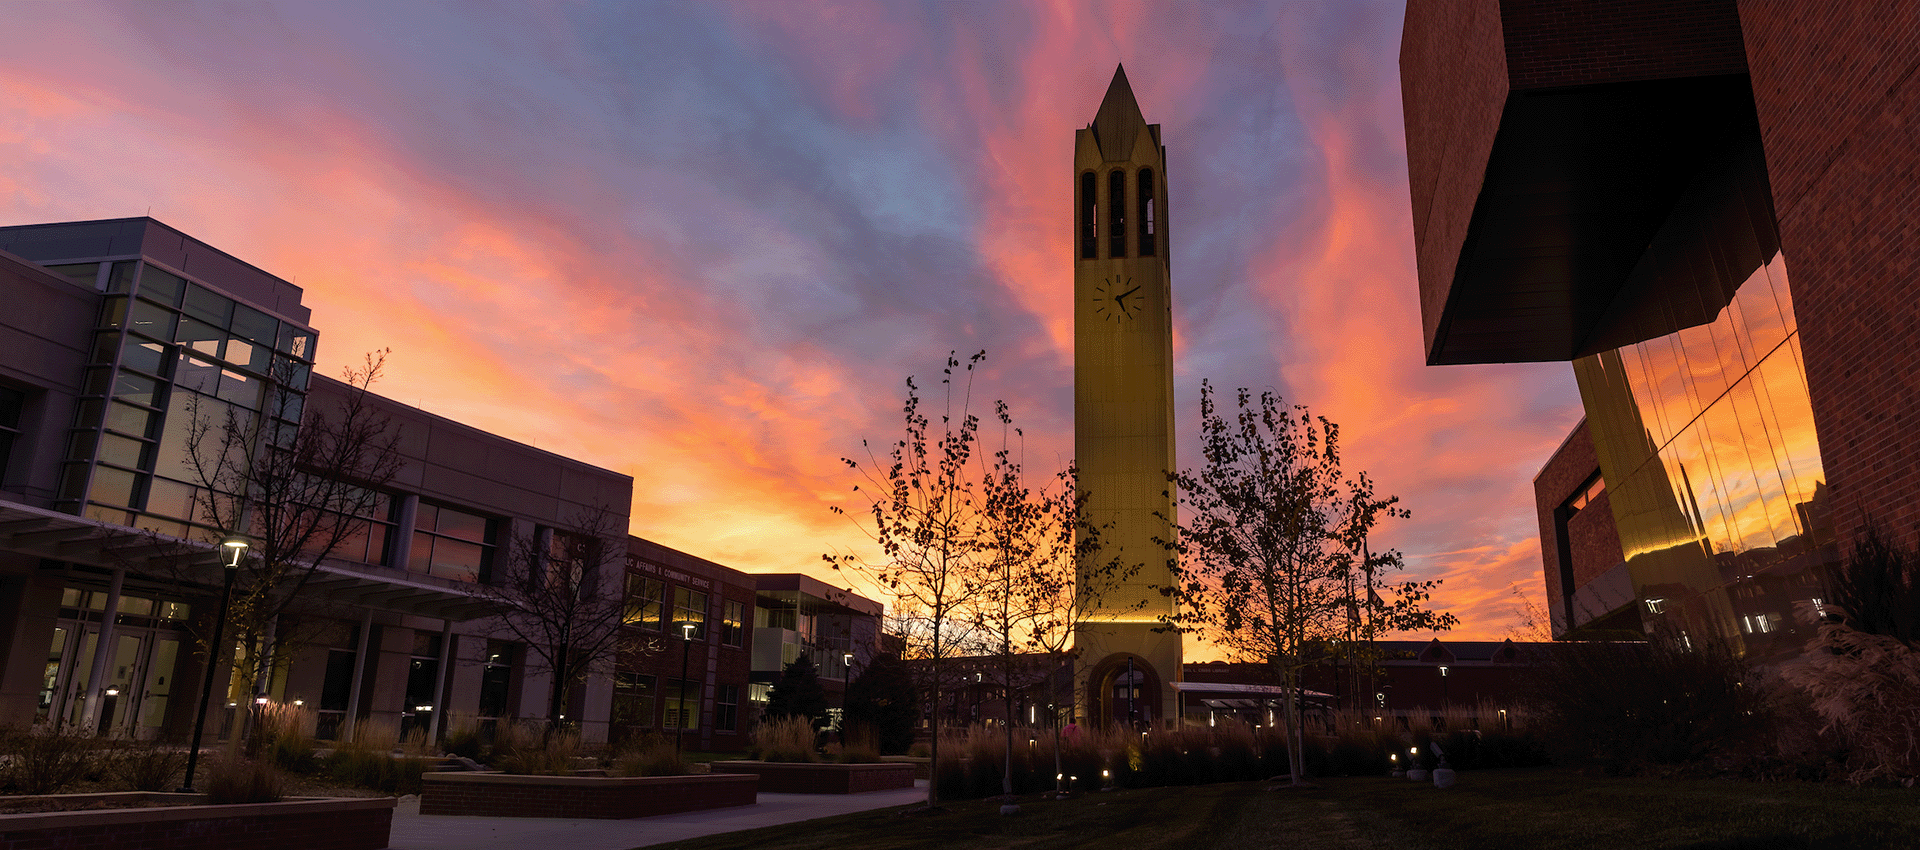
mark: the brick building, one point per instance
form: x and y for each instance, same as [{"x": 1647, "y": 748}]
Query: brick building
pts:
[
  {"x": 1625, "y": 184},
  {"x": 124, "y": 334}
]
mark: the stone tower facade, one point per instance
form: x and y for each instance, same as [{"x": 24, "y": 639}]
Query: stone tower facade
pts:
[{"x": 1123, "y": 409}]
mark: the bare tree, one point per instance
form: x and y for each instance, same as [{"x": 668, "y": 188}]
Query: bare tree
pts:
[
  {"x": 1268, "y": 551},
  {"x": 561, "y": 592},
  {"x": 924, "y": 508},
  {"x": 298, "y": 479},
  {"x": 1059, "y": 586},
  {"x": 1040, "y": 584}
]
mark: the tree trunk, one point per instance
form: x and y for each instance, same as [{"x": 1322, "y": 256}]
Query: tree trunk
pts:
[{"x": 556, "y": 696}]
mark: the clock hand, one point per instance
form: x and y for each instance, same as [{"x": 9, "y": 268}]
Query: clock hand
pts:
[{"x": 1127, "y": 293}]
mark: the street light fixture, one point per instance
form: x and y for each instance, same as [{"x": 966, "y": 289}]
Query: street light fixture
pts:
[
  {"x": 686, "y": 648},
  {"x": 233, "y": 548},
  {"x": 846, "y": 690}
]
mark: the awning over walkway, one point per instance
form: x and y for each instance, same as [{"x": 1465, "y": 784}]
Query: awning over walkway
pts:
[{"x": 40, "y": 533}]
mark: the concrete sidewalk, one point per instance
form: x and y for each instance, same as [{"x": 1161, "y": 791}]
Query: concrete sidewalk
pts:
[{"x": 415, "y": 831}]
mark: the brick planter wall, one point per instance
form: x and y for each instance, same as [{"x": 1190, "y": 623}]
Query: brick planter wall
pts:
[
  {"x": 327, "y": 824},
  {"x": 504, "y": 795},
  {"x": 793, "y": 778},
  {"x": 922, "y": 767}
]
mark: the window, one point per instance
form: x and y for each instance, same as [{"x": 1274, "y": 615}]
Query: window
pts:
[
  {"x": 1149, "y": 240},
  {"x": 732, "y": 622},
  {"x": 1117, "y": 208},
  {"x": 451, "y": 544},
  {"x": 365, "y": 533},
  {"x": 646, "y": 602},
  {"x": 12, "y": 401},
  {"x": 1586, "y": 494},
  {"x": 496, "y": 679},
  {"x": 633, "y": 696},
  {"x": 1089, "y": 218},
  {"x": 726, "y": 708},
  {"x": 683, "y": 704},
  {"x": 570, "y": 561},
  {"x": 690, "y": 607}
]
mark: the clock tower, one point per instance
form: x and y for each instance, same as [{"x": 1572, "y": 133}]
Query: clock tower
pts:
[{"x": 1123, "y": 410}]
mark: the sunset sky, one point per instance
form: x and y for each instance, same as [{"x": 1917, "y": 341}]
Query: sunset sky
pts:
[{"x": 703, "y": 244}]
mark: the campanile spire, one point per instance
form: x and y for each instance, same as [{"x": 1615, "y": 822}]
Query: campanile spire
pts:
[{"x": 1123, "y": 408}]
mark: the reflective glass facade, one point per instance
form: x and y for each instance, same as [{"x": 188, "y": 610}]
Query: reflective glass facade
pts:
[
  {"x": 1706, "y": 441},
  {"x": 168, "y": 352}
]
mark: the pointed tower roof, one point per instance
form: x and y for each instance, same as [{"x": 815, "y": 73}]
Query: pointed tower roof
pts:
[{"x": 1118, "y": 122}]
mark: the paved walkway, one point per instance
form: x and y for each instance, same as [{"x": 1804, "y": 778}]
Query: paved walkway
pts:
[{"x": 415, "y": 831}]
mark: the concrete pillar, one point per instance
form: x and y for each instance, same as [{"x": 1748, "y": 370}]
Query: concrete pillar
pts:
[
  {"x": 103, "y": 651},
  {"x": 362, "y": 668}
]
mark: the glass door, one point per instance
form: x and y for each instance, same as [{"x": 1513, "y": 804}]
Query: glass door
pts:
[
  {"x": 119, "y": 701},
  {"x": 159, "y": 686}
]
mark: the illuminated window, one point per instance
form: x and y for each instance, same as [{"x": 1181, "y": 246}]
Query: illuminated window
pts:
[
  {"x": 690, "y": 607},
  {"x": 1117, "y": 208},
  {"x": 732, "y": 623},
  {"x": 646, "y": 602}
]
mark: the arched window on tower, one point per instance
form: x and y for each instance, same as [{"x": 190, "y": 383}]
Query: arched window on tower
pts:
[
  {"x": 1117, "y": 202},
  {"x": 1089, "y": 218},
  {"x": 1149, "y": 239}
]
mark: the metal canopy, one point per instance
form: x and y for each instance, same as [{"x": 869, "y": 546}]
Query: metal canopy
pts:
[{"x": 40, "y": 533}]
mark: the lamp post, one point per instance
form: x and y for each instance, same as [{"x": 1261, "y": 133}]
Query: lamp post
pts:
[
  {"x": 233, "y": 548},
  {"x": 686, "y": 648},
  {"x": 846, "y": 690}
]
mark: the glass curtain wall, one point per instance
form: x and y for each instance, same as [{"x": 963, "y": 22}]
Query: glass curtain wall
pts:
[
  {"x": 1706, "y": 441},
  {"x": 168, "y": 353}
]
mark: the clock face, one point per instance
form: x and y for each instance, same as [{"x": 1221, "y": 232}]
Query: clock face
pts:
[{"x": 1118, "y": 298}]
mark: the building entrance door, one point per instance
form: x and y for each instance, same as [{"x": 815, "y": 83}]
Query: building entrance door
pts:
[{"x": 135, "y": 690}]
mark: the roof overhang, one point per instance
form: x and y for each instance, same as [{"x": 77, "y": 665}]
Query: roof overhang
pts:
[
  {"x": 54, "y": 536},
  {"x": 1609, "y": 214}
]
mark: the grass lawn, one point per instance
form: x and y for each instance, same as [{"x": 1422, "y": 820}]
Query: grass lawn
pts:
[{"x": 1547, "y": 808}]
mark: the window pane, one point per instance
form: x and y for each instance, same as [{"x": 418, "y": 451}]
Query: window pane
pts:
[
  {"x": 121, "y": 451},
  {"x": 296, "y": 342},
  {"x": 246, "y": 354},
  {"x": 113, "y": 312},
  {"x": 463, "y": 525},
  {"x": 161, "y": 286},
  {"x": 454, "y": 559},
  {"x": 121, "y": 278},
  {"x": 131, "y": 420},
  {"x": 143, "y": 355},
  {"x": 197, "y": 374},
  {"x": 240, "y": 389},
  {"x": 136, "y": 389},
  {"x": 170, "y": 498},
  {"x": 153, "y": 320},
  {"x": 253, "y": 325},
  {"x": 200, "y": 336},
  {"x": 112, "y": 486},
  {"x": 80, "y": 273},
  {"x": 208, "y": 306}
]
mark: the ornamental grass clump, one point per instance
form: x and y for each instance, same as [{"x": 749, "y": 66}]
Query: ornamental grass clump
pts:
[
  {"x": 368, "y": 761},
  {"x": 861, "y": 747},
  {"x": 558, "y": 754},
  {"x": 648, "y": 755},
  {"x": 785, "y": 739},
  {"x": 231, "y": 779},
  {"x": 286, "y": 735}
]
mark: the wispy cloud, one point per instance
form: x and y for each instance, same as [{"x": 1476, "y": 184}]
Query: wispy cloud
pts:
[{"x": 703, "y": 244}]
